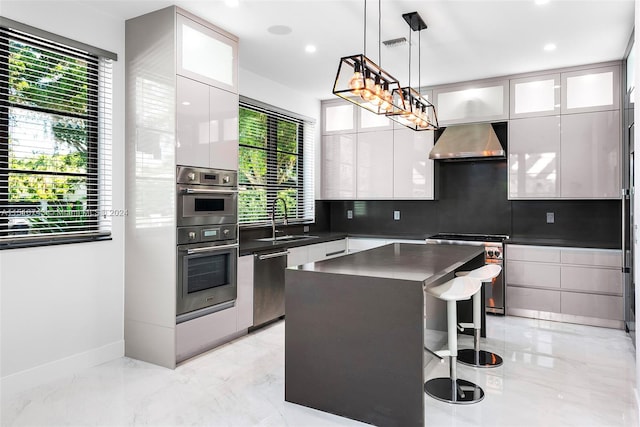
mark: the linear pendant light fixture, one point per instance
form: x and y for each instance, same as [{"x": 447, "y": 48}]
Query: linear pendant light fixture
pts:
[
  {"x": 363, "y": 82},
  {"x": 413, "y": 110}
]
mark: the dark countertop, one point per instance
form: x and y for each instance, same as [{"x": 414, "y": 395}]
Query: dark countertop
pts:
[
  {"x": 253, "y": 246},
  {"x": 514, "y": 240},
  {"x": 400, "y": 261}
]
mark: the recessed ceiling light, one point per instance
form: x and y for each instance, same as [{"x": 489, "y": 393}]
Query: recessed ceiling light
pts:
[
  {"x": 310, "y": 48},
  {"x": 549, "y": 47},
  {"x": 279, "y": 30},
  {"x": 541, "y": 2},
  {"x": 232, "y": 3}
]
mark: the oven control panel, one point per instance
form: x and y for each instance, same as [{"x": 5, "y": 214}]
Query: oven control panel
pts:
[
  {"x": 207, "y": 233},
  {"x": 204, "y": 176}
]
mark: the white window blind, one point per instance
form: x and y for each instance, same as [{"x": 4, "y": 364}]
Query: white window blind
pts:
[
  {"x": 275, "y": 161},
  {"x": 55, "y": 150}
]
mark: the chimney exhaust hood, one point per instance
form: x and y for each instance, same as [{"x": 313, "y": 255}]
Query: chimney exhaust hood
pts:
[{"x": 466, "y": 142}]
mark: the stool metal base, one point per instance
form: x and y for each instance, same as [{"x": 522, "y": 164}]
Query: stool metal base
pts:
[
  {"x": 441, "y": 389},
  {"x": 481, "y": 359}
]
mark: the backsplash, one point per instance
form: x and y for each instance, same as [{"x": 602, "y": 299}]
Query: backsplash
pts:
[{"x": 473, "y": 199}]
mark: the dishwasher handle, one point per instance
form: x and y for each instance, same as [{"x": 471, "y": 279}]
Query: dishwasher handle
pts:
[{"x": 273, "y": 255}]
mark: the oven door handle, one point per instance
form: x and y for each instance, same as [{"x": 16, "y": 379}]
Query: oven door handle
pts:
[
  {"x": 207, "y": 191},
  {"x": 210, "y": 249}
]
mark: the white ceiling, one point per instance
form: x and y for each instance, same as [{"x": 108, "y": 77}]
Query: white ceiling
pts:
[{"x": 466, "y": 39}]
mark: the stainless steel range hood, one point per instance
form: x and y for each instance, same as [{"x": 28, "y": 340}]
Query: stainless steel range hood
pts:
[{"x": 474, "y": 141}]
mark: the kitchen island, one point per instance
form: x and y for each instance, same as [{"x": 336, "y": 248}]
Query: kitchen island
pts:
[{"x": 355, "y": 329}]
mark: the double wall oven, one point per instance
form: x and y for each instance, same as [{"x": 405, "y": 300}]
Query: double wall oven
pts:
[{"x": 207, "y": 241}]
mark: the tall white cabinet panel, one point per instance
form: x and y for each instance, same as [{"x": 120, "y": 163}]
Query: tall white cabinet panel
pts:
[
  {"x": 374, "y": 176},
  {"x": 477, "y": 102},
  {"x": 594, "y": 89},
  {"x": 534, "y": 158},
  {"x": 244, "y": 301},
  {"x": 192, "y": 124},
  {"x": 590, "y": 155},
  {"x": 223, "y": 129},
  {"x": 412, "y": 168},
  {"x": 368, "y": 121},
  {"x": 339, "y": 166},
  {"x": 535, "y": 96},
  {"x": 207, "y": 55}
]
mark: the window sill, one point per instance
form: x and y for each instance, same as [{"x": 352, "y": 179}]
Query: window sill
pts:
[{"x": 38, "y": 241}]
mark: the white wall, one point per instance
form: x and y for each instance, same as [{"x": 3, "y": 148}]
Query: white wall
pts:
[
  {"x": 62, "y": 306},
  {"x": 262, "y": 89},
  {"x": 636, "y": 201}
]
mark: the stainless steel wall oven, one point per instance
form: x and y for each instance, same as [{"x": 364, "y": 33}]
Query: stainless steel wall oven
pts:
[{"x": 207, "y": 237}]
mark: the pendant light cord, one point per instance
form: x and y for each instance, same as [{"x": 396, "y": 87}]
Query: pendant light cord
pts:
[
  {"x": 379, "y": 27},
  {"x": 409, "y": 56},
  {"x": 419, "y": 62},
  {"x": 365, "y": 29}
]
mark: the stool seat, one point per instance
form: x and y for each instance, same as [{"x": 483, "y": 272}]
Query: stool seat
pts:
[
  {"x": 485, "y": 273},
  {"x": 457, "y": 289}
]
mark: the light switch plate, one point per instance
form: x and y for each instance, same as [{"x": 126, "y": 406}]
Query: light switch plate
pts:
[
  {"x": 550, "y": 218},
  {"x": 396, "y": 215},
  {"x": 349, "y": 214},
  {"x": 305, "y": 229}
]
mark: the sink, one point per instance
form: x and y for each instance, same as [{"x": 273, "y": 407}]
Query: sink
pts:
[{"x": 287, "y": 238}]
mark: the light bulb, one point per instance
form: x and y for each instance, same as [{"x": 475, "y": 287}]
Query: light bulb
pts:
[
  {"x": 368, "y": 90},
  {"x": 356, "y": 83}
]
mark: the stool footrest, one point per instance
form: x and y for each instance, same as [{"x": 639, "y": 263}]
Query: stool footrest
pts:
[
  {"x": 442, "y": 389},
  {"x": 479, "y": 359}
]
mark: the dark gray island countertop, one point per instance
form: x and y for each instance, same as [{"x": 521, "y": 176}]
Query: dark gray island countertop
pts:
[{"x": 399, "y": 261}]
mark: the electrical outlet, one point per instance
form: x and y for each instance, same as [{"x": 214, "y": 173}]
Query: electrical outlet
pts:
[
  {"x": 396, "y": 215},
  {"x": 349, "y": 214},
  {"x": 550, "y": 218},
  {"x": 305, "y": 229}
]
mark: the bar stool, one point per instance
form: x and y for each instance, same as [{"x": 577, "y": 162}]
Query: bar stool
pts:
[
  {"x": 476, "y": 357},
  {"x": 452, "y": 389}
]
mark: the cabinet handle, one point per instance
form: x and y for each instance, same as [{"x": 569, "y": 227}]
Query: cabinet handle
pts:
[
  {"x": 273, "y": 255},
  {"x": 334, "y": 253},
  {"x": 207, "y": 191},
  {"x": 210, "y": 249}
]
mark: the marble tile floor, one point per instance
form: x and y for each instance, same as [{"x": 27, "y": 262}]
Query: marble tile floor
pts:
[{"x": 554, "y": 374}]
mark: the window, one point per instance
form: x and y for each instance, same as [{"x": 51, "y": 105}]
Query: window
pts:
[
  {"x": 275, "y": 161},
  {"x": 55, "y": 150}
]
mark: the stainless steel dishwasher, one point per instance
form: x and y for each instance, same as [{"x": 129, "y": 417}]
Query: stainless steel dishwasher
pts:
[{"x": 268, "y": 286}]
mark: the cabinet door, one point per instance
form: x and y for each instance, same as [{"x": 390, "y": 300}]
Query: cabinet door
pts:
[
  {"x": 207, "y": 55},
  {"x": 535, "y": 96},
  {"x": 594, "y": 89},
  {"x": 412, "y": 168},
  {"x": 534, "y": 158},
  {"x": 192, "y": 124},
  {"x": 223, "y": 129},
  {"x": 244, "y": 301},
  {"x": 477, "y": 102},
  {"x": 369, "y": 122},
  {"x": 374, "y": 165},
  {"x": 339, "y": 166},
  {"x": 590, "y": 155},
  {"x": 298, "y": 255},
  {"x": 338, "y": 116}
]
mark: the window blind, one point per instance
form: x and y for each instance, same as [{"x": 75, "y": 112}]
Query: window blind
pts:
[
  {"x": 275, "y": 162},
  {"x": 55, "y": 150}
]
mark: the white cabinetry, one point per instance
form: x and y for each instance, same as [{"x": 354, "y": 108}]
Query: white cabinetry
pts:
[
  {"x": 412, "y": 168},
  {"x": 339, "y": 166},
  {"x": 338, "y": 116},
  {"x": 535, "y": 96},
  {"x": 569, "y": 149},
  {"x": 316, "y": 252},
  {"x": 566, "y": 284},
  {"x": 534, "y": 158},
  {"x": 244, "y": 302},
  {"x": 473, "y": 102},
  {"x": 590, "y": 155},
  {"x": 374, "y": 174},
  {"x": 206, "y": 53},
  {"x": 592, "y": 89}
]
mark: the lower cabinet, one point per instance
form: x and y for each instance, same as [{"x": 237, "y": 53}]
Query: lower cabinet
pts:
[
  {"x": 244, "y": 301},
  {"x": 567, "y": 284}
]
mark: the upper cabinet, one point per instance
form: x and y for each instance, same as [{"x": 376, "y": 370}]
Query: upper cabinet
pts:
[
  {"x": 412, "y": 167},
  {"x": 535, "y": 96},
  {"x": 374, "y": 167},
  {"x": 207, "y": 54},
  {"x": 593, "y": 89},
  {"x": 474, "y": 102},
  {"x": 338, "y": 116},
  {"x": 339, "y": 166}
]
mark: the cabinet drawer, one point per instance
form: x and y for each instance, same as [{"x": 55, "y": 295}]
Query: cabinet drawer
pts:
[
  {"x": 533, "y": 274},
  {"x": 591, "y": 279},
  {"x": 335, "y": 248},
  {"x": 532, "y": 253},
  {"x": 199, "y": 335},
  {"x": 533, "y": 299},
  {"x": 355, "y": 244},
  {"x": 600, "y": 257},
  {"x": 298, "y": 255},
  {"x": 590, "y": 305}
]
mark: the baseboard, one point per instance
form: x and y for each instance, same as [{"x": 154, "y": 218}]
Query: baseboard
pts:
[{"x": 42, "y": 374}]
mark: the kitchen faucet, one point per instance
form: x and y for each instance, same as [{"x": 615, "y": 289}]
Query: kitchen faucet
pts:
[{"x": 273, "y": 215}]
